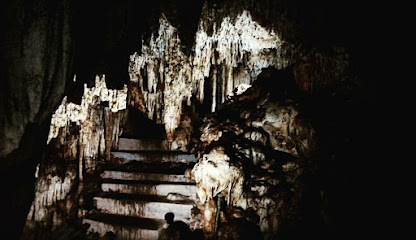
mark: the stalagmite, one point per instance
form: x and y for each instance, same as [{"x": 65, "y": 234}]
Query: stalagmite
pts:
[{"x": 215, "y": 174}]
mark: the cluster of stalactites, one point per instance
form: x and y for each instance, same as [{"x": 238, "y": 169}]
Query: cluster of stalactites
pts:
[
  {"x": 242, "y": 47},
  {"x": 88, "y": 116},
  {"x": 163, "y": 73},
  {"x": 49, "y": 190},
  {"x": 234, "y": 54}
]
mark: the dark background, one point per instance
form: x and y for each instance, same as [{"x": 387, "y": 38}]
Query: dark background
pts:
[
  {"x": 369, "y": 186},
  {"x": 371, "y": 190}
]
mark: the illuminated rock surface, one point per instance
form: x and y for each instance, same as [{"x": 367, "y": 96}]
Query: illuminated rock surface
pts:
[
  {"x": 167, "y": 77},
  {"x": 299, "y": 149}
]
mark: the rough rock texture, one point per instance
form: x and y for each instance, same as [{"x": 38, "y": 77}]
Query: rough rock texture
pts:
[
  {"x": 230, "y": 50},
  {"x": 41, "y": 58},
  {"x": 273, "y": 145},
  {"x": 232, "y": 54},
  {"x": 36, "y": 67},
  {"x": 215, "y": 174},
  {"x": 269, "y": 143},
  {"x": 55, "y": 205},
  {"x": 99, "y": 126},
  {"x": 36, "y": 53},
  {"x": 78, "y": 114},
  {"x": 79, "y": 137}
]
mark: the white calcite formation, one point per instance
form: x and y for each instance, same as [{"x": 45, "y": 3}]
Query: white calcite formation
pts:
[
  {"x": 272, "y": 142},
  {"x": 244, "y": 42},
  {"x": 88, "y": 116},
  {"x": 167, "y": 77},
  {"x": 281, "y": 122},
  {"x": 50, "y": 189},
  {"x": 167, "y": 70},
  {"x": 240, "y": 89},
  {"x": 215, "y": 174}
]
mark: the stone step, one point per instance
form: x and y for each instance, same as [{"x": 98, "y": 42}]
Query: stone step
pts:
[
  {"x": 140, "y": 176},
  {"x": 149, "y": 188},
  {"x": 150, "y": 167},
  {"x": 178, "y": 157},
  {"x": 144, "y": 206},
  {"x": 131, "y": 144},
  {"x": 124, "y": 227}
]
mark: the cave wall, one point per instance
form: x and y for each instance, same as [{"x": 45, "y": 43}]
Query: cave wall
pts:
[
  {"x": 98, "y": 117},
  {"x": 233, "y": 52},
  {"x": 80, "y": 137},
  {"x": 285, "y": 193},
  {"x": 231, "y": 48},
  {"x": 56, "y": 202},
  {"x": 325, "y": 71},
  {"x": 261, "y": 153},
  {"x": 39, "y": 33},
  {"x": 36, "y": 66}
]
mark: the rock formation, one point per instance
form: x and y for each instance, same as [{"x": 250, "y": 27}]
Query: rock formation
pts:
[
  {"x": 300, "y": 138},
  {"x": 233, "y": 54}
]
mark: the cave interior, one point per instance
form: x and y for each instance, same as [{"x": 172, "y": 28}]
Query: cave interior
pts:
[{"x": 267, "y": 119}]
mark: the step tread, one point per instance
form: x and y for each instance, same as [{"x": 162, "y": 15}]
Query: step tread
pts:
[
  {"x": 152, "y": 156},
  {"x": 153, "y": 152},
  {"x": 121, "y": 220},
  {"x": 144, "y": 172},
  {"x": 128, "y": 175},
  {"x": 145, "y": 182},
  {"x": 143, "y": 144},
  {"x": 149, "y": 167},
  {"x": 161, "y": 189},
  {"x": 142, "y": 198}
]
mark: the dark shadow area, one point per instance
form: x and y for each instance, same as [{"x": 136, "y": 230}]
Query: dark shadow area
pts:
[
  {"x": 137, "y": 125},
  {"x": 366, "y": 184},
  {"x": 175, "y": 230},
  {"x": 108, "y": 32}
]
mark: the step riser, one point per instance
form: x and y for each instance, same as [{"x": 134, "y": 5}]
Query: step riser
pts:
[
  {"x": 155, "y": 210},
  {"x": 122, "y": 232},
  {"x": 124, "y": 157},
  {"x": 128, "y": 144},
  {"x": 151, "y": 189},
  {"x": 144, "y": 176}
]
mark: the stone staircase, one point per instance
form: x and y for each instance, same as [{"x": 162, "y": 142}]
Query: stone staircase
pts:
[{"x": 143, "y": 182}]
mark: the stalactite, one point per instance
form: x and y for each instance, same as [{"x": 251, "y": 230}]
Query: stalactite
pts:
[
  {"x": 50, "y": 188},
  {"x": 168, "y": 76},
  {"x": 214, "y": 88},
  {"x": 90, "y": 117},
  {"x": 232, "y": 42},
  {"x": 237, "y": 50},
  {"x": 98, "y": 120}
]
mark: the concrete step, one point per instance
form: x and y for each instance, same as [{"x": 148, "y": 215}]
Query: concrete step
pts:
[
  {"x": 149, "y": 188},
  {"x": 140, "y": 176},
  {"x": 178, "y": 157},
  {"x": 124, "y": 227},
  {"x": 131, "y": 144},
  {"x": 144, "y": 206}
]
